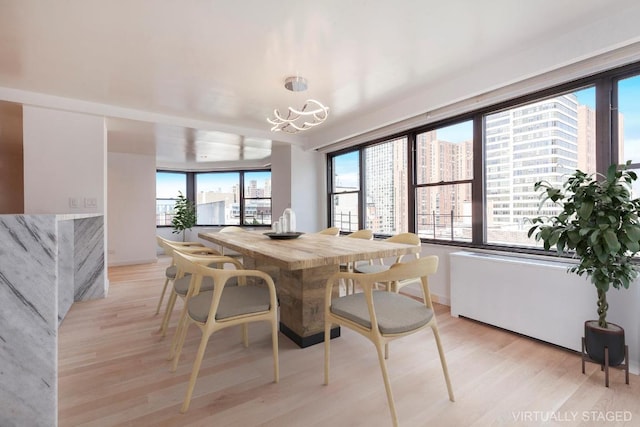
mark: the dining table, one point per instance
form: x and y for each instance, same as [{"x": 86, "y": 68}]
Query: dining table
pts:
[{"x": 301, "y": 264}]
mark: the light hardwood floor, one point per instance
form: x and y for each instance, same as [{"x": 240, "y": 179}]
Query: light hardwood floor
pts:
[{"x": 113, "y": 371}]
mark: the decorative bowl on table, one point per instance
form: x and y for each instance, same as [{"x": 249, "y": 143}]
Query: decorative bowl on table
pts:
[{"x": 283, "y": 236}]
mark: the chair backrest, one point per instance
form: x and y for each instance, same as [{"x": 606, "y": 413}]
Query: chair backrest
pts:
[
  {"x": 406, "y": 238},
  {"x": 420, "y": 268},
  {"x": 331, "y": 231},
  {"x": 187, "y": 263},
  {"x": 163, "y": 242},
  {"x": 361, "y": 234},
  {"x": 230, "y": 229}
]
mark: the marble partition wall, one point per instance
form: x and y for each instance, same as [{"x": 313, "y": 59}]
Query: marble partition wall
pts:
[{"x": 46, "y": 262}]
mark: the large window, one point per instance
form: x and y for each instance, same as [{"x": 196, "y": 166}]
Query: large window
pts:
[
  {"x": 257, "y": 198},
  {"x": 218, "y": 198},
  {"x": 221, "y": 198},
  {"x": 470, "y": 179},
  {"x": 345, "y": 191},
  {"x": 627, "y": 121},
  {"x": 168, "y": 186},
  {"x": 385, "y": 187},
  {"x": 444, "y": 172},
  {"x": 542, "y": 140}
]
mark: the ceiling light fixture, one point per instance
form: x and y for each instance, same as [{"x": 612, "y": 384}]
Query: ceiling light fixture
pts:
[{"x": 311, "y": 114}]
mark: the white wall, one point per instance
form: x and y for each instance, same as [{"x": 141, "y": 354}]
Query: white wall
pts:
[
  {"x": 297, "y": 182},
  {"x": 131, "y": 208},
  {"x": 307, "y": 182},
  {"x": 64, "y": 158}
]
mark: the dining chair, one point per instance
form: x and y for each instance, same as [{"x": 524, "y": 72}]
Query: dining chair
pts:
[
  {"x": 185, "y": 287},
  {"x": 382, "y": 316},
  {"x": 373, "y": 267},
  {"x": 223, "y": 307},
  {"x": 348, "y": 267},
  {"x": 181, "y": 281},
  {"x": 170, "y": 272},
  {"x": 227, "y": 251},
  {"x": 331, "y": 231}
]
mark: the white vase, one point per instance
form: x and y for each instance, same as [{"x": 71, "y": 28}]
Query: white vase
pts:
[{"x": 289, "y": 220}]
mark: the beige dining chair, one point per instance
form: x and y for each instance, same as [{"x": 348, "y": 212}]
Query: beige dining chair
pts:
[
  {"x": 379, "y": 266},
  {"x": 331, "y": 231},
  {"x": 223, "y": 307},
  {"x": 227, "y": 251},
  {"x": 348, "y": 267},
  {"x": 170, "y": 272},
  {"x": 181, "y": 281},
  {"x": 382, "y": 316}
]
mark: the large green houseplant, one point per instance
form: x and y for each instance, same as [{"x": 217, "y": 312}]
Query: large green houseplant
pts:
[
  {"x": 184, "y": 215},
  {"x": 599, "y": 223}
]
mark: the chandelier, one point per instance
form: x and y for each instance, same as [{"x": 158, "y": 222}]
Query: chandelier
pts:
[{"x": 311, "y": 114}]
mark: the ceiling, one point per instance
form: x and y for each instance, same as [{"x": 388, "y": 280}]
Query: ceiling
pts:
[{"x": 194, "y": 81}]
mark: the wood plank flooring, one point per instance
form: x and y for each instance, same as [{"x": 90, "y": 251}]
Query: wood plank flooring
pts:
[{"x": 113, "y": 372}]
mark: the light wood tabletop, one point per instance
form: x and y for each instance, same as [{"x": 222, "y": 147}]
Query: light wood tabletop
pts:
[
  {"x": 307, "y": 251},
  {"x": 303, "y": 266}
]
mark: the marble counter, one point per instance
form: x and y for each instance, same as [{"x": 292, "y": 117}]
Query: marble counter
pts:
[{"x": 46, "y": 263}]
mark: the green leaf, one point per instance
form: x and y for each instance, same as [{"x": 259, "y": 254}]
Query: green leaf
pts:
[
  {"x": 611, "y": 241},
  {"x": 585, "y": 209}
]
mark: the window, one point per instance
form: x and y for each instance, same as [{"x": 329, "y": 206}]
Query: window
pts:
[
  {"x": 218, "y": 198},
  {"x": 628, "y": 124},
  {"x": 345, "y": 191},
  {"x": 469, "y": 180},
  {"x": 257, "y": 198},
  {"x": 543, "y": 140},
  {"x": 168, "y": 185},
  {"x": 221, "y": 198},
  {"x": 385, "y": 187}
]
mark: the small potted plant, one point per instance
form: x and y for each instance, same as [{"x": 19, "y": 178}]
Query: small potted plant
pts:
[
  {"x": 184, "y": 215},
  {"x": 599, "y": 223}
]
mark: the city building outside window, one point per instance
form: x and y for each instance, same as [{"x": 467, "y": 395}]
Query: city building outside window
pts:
[
  {"x": 385, "y": 187},
  {"x": 444, "y": 173},
  {"x": 543, "y": 140}
]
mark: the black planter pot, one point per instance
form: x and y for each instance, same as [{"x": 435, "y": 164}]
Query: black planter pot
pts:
[{"x": 597, "y": 338}]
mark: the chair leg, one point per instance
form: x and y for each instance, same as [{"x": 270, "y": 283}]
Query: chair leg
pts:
[
  {"x": 245, "y": 335},
  {"x": 164, "y": 289},
  {"x": 167, "y": 314},
  {"x": 387, "y": 384},
  {"x": 194, "y": 372},
  {"x": 327, "y": 339},
  {"x": 443, "y": 362},
  {"x": 274, "y": 344},
  {"x": 181, "y": 324},
  {"x": 179, "y": 346}
]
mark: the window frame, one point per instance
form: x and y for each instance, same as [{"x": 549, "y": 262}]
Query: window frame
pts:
[
  {"x": 191, "y": 193},
  {"x": 606, "y": 137}
]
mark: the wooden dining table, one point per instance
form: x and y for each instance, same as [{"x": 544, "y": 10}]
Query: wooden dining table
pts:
[{"x": 302, "y": 266}]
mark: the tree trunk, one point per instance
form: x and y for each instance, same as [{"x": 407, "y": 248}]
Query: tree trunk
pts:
[{"x": 602, "y": 308}]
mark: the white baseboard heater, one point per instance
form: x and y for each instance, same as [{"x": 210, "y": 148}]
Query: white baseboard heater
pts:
[{"x": 533, "y": 297}]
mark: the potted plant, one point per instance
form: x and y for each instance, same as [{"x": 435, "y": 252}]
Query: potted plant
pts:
[
  {"x": 599, "y": 223},
  {"x": 184, "y": 215}
]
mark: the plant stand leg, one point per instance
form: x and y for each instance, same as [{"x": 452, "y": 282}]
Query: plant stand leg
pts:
[
  {"x": 606, "y": 366},
  {"x": 626, "y": 366},
  {"x": 583, "y": 355}
]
